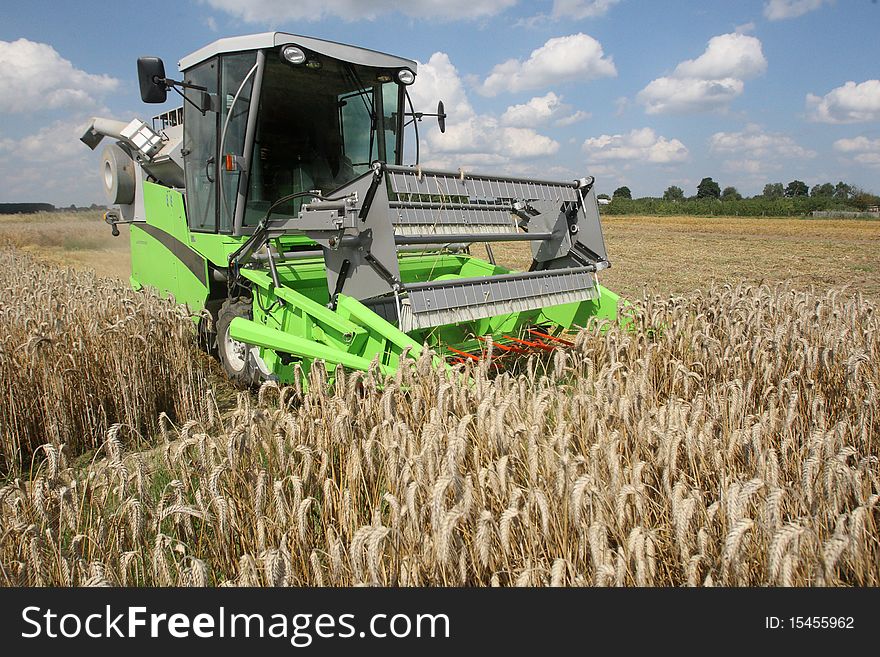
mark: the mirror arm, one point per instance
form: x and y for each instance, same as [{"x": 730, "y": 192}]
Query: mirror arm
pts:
[
  {"x": 440, "y": 114},
  {"x": 203, "y": 110},
  {"x": 169, "y": 83}
]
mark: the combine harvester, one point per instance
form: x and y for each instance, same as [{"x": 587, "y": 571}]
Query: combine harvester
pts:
[{"x": 276, "y": 199}]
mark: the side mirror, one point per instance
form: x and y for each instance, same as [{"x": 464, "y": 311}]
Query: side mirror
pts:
[
  {"x": 441, "y": 116},
  {"x": 151, "y": 77}
]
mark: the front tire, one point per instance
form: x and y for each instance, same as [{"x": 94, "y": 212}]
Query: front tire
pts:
[{"x": 237, "y": 358}]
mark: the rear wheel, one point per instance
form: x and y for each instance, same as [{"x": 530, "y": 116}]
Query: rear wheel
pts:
[{"x": 239, "y": 359}]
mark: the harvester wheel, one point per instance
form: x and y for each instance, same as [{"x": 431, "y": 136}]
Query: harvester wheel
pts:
[{"x": 236, "y": 357}]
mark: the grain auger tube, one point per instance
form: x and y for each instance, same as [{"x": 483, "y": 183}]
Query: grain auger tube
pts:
[{"x": 276, "y": 199}]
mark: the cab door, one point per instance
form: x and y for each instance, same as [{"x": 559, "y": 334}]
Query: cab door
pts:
[{"x": 200, "y": 128}]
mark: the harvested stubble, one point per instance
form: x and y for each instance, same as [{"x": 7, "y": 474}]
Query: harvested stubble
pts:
[
  {"x": 726, "y": 438},
  {"x": 79, "y": 353}
]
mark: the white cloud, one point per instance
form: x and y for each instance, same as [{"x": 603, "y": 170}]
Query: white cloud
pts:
[
  {"x": 278, "y": 11},
  {"x": 751, "y": 168},
  {"x": 605, "y": 171},
  {"x": 777, "y": 10},
  {"x": 473, "y": 139},
  {"x": 540, "y": 110},
  {"x": 569, "y": 10},
  {"x": 574, "y": 57},
  {"x": 726, "y": 56},
  {"x": 709, "y": 82},
  {"x": 56, "y": 141},
  {"x": 484, "y": 135},
  {"x": 755, "y": 144},
  {"x": 683, "y": 96},
  {"x": 50, "y": 166},
  {"x": 580, "y": 9},
  {"x": 640, "y": 145},
  {"x": 753, "y": 153},
  {"x": 850, "y": 103},
  {"x": 33, "y": 76},
  {"x": 863, "y": 150},
  {"x": 857, "y": 144},
  {"x": 438, "y": 79},
  {"x": 577, "y": 117}
]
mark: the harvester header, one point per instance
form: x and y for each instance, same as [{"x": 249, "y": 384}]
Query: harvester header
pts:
[{"x": 276, "y": 201}]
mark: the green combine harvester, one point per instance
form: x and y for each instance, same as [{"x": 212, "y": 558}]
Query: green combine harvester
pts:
[{"x": 276, "y": 201}]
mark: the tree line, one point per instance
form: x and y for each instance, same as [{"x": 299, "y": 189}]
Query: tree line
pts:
[
  {"x": 776, "y": 199},
  {"x": 31, "y": 208}
]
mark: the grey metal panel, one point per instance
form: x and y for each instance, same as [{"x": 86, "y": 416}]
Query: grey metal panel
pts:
[
  {"x": 590, "y": 233},
  {"x": 471, "y": 237},
  {"x": 463, "y": 300},
  {"x": 444, "y": 203},
  {"x": 550, "y": 218},
  {"x": 513, "y": 276},
  {"x": 453, "y": 187},
  {"x": 476, "y": 176},
  {"x": 415, "y": 218},
  {"x": 375, "y": 239},
  {"x": 348, "y": 53}
]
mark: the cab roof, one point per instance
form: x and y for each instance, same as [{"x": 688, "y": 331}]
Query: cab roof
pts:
[{"x": 265, "y": 40}]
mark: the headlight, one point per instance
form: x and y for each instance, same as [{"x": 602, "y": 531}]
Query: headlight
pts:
[
  {"x": 293, "y": 54},
  {"x": 406, "y": 76}
]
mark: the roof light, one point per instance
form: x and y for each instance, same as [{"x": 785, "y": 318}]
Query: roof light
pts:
[
  {"x": 406, "y": 76},
  {"x": 293, "y": 54}
]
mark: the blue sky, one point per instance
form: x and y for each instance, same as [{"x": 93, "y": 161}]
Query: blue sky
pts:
[{"x": 646, "y": 94}]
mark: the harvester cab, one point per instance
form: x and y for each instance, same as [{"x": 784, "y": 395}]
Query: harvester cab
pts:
[{"x": 276, "y": 200}]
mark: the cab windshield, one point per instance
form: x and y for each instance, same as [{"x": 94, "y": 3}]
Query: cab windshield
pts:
[{"x": 319, "y": 126}]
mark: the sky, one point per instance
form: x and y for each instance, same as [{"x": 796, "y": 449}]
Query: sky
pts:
[{"x": 636, "y": 93}]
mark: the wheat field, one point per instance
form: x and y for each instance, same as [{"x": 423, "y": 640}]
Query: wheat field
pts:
[
  {"x": 727, "y": 437},
  {"x": 79, "y": 353}
]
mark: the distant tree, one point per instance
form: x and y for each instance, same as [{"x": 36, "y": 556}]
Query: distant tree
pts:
[
  {"x": 797, "y": 188},
  {"x": 731, "y": 194},
  {"x": 842, "y": 191},
  {"x": 708, "y": 188},
  {"x": 825, "y": 190},
  {"x": 622, "y": 192},
  {"x": 773, "y": 190},
  {"x": 673, "y": 193},
  {"x": 863, "y": 200}
]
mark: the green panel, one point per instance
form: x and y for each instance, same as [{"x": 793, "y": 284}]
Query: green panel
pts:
[
  {"x": 335, "y": 330},
  {"x": 215, "y": 247},
  {"x": 160, "y": 255},
  {"x": 164, "y": 210},
  {"x": 574, "y": 315},
  {"x": 152, "y": 265}
]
